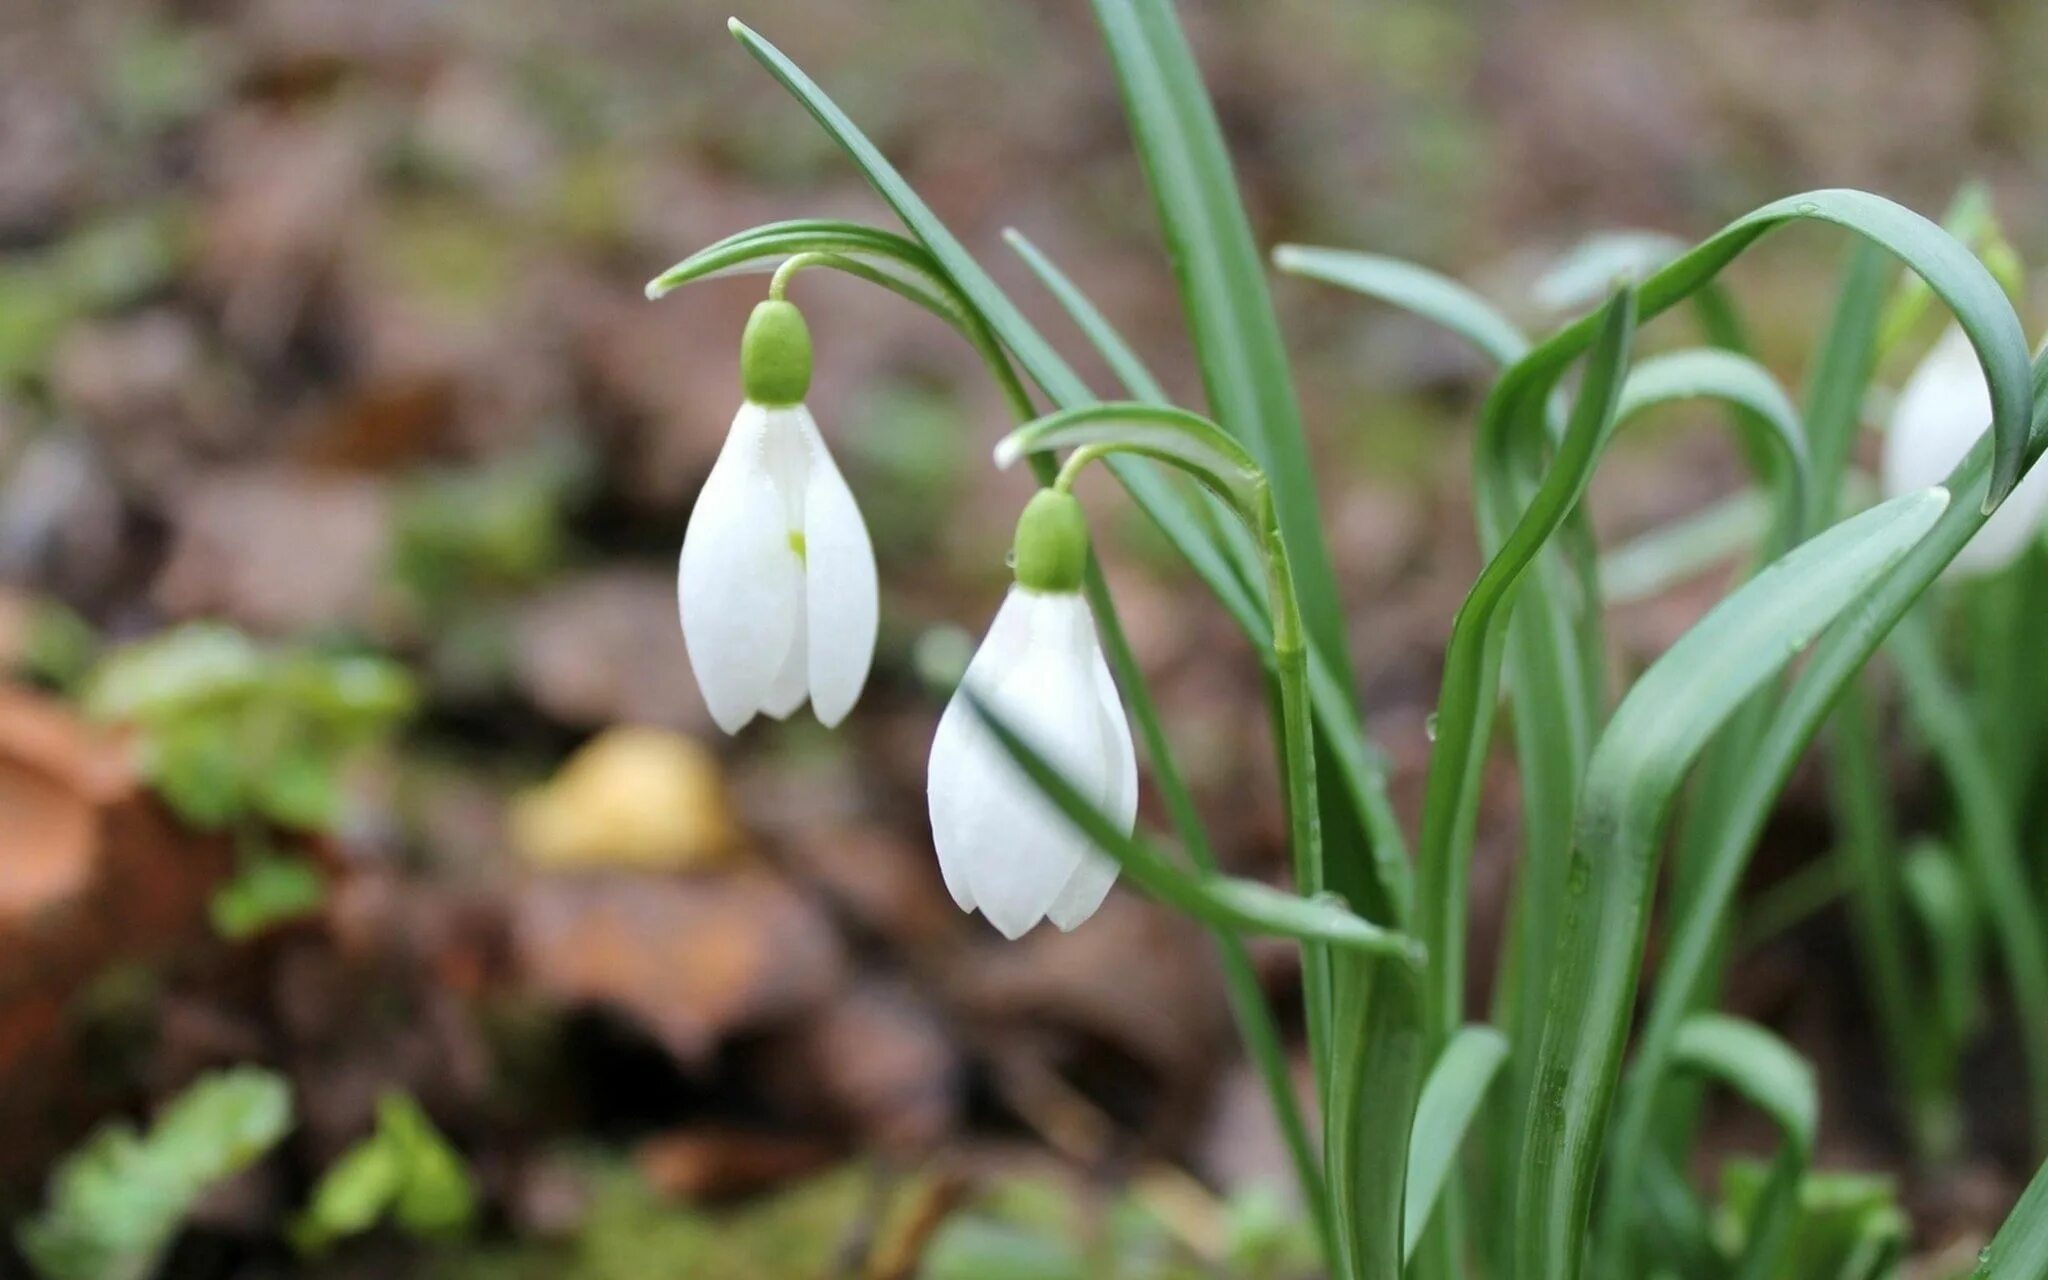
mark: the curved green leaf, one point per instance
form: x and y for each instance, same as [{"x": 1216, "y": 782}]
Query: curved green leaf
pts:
[
  {"x": 1655, "y": 735},
  {"x": 1955, "y": 276},
  {"x": 1450, "y": 1098},
  {"x": 1466, "y": 705},
  {"x": 1225, "y": 902},
  {"x": 1829, "y": 670},
  {"x": 1779, "y": 1083},
  {"x": 1222, "y": 283},
  {"x": 1412, "y": 288},
  {"x": 1176, "y": 437}
]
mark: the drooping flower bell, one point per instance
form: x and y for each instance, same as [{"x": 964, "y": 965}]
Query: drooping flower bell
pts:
[
  {"x": 1004, "y": 848},
  {"x": 777, "y": 579},
  {"x": 1942, "y": 410}
]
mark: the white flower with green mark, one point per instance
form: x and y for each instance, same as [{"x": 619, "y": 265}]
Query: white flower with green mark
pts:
[
  {"x": 777, "y": 580},
  {"x": 1004, "y": 848},
  {"x": 1941, "y": 412}
]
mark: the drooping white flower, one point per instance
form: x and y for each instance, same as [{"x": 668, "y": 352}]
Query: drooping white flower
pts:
[
  {"x": 1941, "y": 411},
  {"x": 776, "y": 583},
  {"x": 1004, "y": 848}
]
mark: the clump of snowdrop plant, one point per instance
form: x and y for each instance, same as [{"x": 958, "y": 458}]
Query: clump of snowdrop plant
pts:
[{"x": 1546, "y": 1135}]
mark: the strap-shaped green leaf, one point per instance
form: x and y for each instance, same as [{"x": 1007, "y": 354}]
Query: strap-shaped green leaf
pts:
[
  {"x": 1466, "y": 705},
  {"x": 1989, "y": 845},
  {"x": 1225, "y": 902},
  {"x": 1451, "y": 1096},
  {"x": 1222, "y": 281},
  {"x": 761, "y": 248},
  {"x": 1655, "y": 735},
  {"x": 2020, "y": 1249},
  {"x": 1828, "y": 672},
  {"x": 1950, "y": 270},
  {"x": 1778, "y": 1082},
  {"x": 1176, "y": 437},
  {"x": 1416, "y": 289}
]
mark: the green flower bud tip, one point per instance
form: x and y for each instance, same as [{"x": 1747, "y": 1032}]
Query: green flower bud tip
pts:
[
  {"x": 775, "y": 355},
  {"x": 1052, "y": 543}
]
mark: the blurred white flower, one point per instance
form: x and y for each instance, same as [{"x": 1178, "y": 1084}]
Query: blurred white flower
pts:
[
  {"x": 777, "y": 581},
  {"x": 1003, "y": 847},
  {"x": 1942, "y": 410}
]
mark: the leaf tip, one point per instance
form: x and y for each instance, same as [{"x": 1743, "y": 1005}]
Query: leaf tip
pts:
[
  {"x": 1286, "y": 257},
  {"x": 739, "y": 30},
  {"x": 656, "y": 289},
  {"x": 1007, "y": 451}
]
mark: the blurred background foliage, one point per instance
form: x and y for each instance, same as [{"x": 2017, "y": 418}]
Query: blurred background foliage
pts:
[{"x": 346, "y": 727}]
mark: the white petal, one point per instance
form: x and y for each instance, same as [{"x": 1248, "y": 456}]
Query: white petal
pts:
[
  {"x": 792, "y": 683},
  {"x": 1943, "y": 408},
  {"x": 1022, "y": 850},
  {"x": 737, "y": 582},
  {"x": 839, "y": 578},
  {"x": 953, "y": 741},
  {"x": 1091, "y": 881}
]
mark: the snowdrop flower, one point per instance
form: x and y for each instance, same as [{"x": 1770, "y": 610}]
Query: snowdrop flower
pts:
[
  {"x": 777, "y": 580},
  {"x": 1942, "y": 410},
  {"x": 1004, "y": 848}
]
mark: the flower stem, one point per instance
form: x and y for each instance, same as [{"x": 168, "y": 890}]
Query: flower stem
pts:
[{"x": 778, "y": 284}]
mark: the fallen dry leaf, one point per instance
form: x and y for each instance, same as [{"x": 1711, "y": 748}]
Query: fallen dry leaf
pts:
[{"x": 690, "y": 960}]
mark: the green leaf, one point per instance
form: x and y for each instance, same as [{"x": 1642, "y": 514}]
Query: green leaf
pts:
[
  {"x": 191, "y": 667},
  {"x": 2020, "y": 1249},
  {"x": 1659, "y": 559},
  {"x": 1414, "y": 289},
  {"x": 270, "y": 890},
  {"x": 1806, "y": 704},
  {"x": 1222, "y": 282},
  {"x": 880, "y": 257},
  {"x": 435, "y": 1195},
  {"x": 115, "y": 1204},
  {"x": 351, "y": 1196},
  {"x": 1660, "y": 728},
  {"x": 1957, "y": 277},
  {"x": 1938, "y": 889},
  {"x": 1778, "y": 1082},
  {"x": 1223, "y": 902},
  {"x": 1450, "y": 1098},
  {"x": 1465, "y": 707},
  {"x": 1176, "y": 437},
  {"x": 1988, "y": 843},
  {"x": 405, "y": 1169}
]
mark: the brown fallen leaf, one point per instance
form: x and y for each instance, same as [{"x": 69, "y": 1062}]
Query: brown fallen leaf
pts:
[
  {"x": 720, "y": 1164},
  {"x": 600, "y": 648},
  {"x": 93, "y": 873},
  {"x": 690, "y": 960},
  {"x": 278, "y": 551}
]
